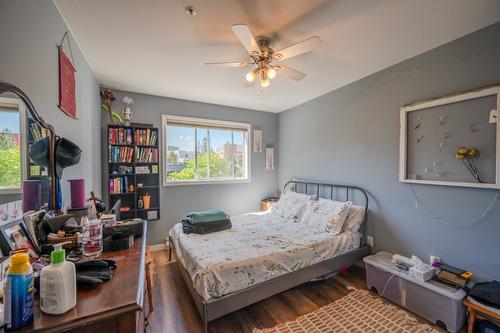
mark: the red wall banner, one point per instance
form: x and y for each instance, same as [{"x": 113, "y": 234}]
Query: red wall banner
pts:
[{"x": 67, "y": 85}]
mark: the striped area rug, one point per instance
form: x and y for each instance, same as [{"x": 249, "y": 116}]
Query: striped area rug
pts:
[{"x": 356, "y": 312}]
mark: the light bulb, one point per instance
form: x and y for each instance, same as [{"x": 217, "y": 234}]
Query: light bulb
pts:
[
  {"x": 264, "y": 79},
  {"x": 271, "y": 73},
  {"x": 252, "y": 75}
]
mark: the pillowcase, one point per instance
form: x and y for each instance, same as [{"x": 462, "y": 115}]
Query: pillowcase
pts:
[
  {"x": 291, "y": 205},
  {"x": 327, "y": 214},
  {"x": 354, "y": 219}
]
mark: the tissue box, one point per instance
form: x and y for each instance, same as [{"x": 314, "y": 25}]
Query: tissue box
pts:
[{"x": 421, "y": 272}]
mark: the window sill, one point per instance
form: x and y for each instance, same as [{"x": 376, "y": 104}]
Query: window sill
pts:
[
  {"x": 10, "y": 190},
  {"x": 205, "y": 182}
]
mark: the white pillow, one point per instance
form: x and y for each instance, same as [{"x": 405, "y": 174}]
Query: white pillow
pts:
[
  {"x": 291, "y": 205},
  {"x": 354, "y": 219},
  {"x": 327, "y": 215}
]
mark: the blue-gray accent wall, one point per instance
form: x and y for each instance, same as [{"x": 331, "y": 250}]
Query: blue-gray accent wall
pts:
[
  {"x": 351, "y": 135},
  {"x": 177, "y": 201},
  {"x": 30, "y": 32}
]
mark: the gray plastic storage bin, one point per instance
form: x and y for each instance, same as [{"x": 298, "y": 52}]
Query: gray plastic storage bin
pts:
[{"x": 431, "y": 300}]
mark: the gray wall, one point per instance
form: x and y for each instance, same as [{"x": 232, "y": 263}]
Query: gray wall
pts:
[
  {"x": 232, "y": 198},
  {"x": 30, "y": 31},
  {"x": 351, "y": 135}
]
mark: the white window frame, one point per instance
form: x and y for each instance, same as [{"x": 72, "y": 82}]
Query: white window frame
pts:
[
  {"x": 18, "y": 105},
  {"x": 209, "y": 123},
  {"x": 455, "y": 98}
]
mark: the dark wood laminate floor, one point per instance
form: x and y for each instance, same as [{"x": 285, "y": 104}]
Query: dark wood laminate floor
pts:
[{"x": 174, "y": 311}]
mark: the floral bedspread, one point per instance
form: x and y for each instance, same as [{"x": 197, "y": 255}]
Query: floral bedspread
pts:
[{"x": 258, "y": 247}]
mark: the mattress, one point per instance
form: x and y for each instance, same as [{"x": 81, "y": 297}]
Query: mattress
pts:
[{"x": 258, "y": 247}]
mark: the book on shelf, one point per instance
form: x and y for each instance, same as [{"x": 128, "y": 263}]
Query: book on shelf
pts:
[
  {"x": 119, "y": 185},
  {"x": 38, "y": 132},
  {"x": 120, "y": 136},
  {"x": 120, "y": 154},
  {"x": 142, "y": 170},
  {"x": 146, "y": 155},
  {"x": 146, "y": 137}
]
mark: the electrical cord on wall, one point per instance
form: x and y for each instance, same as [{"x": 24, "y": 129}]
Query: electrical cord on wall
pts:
[{"x": 489, "y": 208}]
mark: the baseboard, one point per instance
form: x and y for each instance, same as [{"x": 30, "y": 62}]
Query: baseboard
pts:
[{"x": 158, "y": 247}]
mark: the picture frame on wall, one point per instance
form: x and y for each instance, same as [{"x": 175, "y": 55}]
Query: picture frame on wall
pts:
[
  {"x": 257, "y": 141},
  {"x": 270, "y": 158},
  {"x": 14, "y": 236},
  {"x": 452, "y": 140}
]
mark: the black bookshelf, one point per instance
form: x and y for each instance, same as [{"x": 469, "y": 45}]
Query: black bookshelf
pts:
[{"x": 133, "y": 158}]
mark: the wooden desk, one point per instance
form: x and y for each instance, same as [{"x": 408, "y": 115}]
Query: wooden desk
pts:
[{"x": 114, "y": 306}]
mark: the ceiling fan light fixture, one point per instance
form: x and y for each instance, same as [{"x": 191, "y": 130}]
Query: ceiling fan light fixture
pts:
[
  {"x": 271, "y": 73},
  {"x": 264, "y": 79},
  {"x": 252, "y": 75}
]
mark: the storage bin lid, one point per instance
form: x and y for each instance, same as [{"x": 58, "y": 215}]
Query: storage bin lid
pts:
[{"x": 383, "y": 261}]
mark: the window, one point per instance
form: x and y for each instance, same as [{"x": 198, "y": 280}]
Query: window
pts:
[
  {"x": 11, "y": 145},
  {"x": 200, "y": 151}
]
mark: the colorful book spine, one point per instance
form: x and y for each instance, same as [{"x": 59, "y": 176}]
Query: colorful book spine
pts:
[
  {"x": 146, "y": 137},
  {"x": 120, "y": 136},
  {"x": 120, "y": 154},
  {"x": 146, "y": 155},
  {"x": 118, "y": 185}
]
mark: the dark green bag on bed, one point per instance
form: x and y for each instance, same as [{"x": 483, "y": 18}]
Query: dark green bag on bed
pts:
[{"x": 206, "y": 216}]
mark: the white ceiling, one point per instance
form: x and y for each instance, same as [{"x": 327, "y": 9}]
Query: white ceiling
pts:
[{"x": 153, "y": 47}]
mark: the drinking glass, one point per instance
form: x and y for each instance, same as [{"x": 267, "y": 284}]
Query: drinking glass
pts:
[{"x": 92, "y": 239}]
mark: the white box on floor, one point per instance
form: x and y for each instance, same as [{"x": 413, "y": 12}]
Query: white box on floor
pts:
[{"x": 431, "y": 300}]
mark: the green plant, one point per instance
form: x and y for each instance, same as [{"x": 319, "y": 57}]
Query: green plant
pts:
[
  {"x": 109, "y": 98},
  {"x": 10, "y": 167}
]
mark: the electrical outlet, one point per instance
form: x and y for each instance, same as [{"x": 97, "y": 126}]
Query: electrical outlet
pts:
[
  {"x": 434, "y": 259},
  {"x": 369, "y": 240}
]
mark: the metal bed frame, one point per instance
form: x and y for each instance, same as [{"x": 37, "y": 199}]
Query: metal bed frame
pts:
[{"x": 218, "y": 307}]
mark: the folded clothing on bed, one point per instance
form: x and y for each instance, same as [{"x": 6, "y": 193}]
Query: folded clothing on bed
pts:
[
  {"x": 205, "y": 227},
  {"x": 206, "y": 216}
]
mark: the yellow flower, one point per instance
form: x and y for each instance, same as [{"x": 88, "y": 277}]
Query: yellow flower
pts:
[
  {"x": 472, "y": 152},
  {"x": 459, "y": 156},
  {"x": 462, "y": 150}
]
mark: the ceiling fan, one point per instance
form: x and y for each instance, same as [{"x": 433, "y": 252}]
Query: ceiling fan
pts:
[{"x": 262, "y": 56}]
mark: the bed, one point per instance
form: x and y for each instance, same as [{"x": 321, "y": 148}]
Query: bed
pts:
[{"x": 264, "y": 254}]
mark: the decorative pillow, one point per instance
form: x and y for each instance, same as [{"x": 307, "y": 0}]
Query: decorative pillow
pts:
[
  {"x": 291, "y": 205},
  {"x": 354, "y": 219},
  {"x": 327, "y": 214}
]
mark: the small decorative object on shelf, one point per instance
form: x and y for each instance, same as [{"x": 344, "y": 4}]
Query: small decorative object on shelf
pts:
[
  {"x": 108, "y": 99},
  {"x": 146, "y": 199},
  {"x": 127, "y": 110},
  {"x": 468, "y": 157}
]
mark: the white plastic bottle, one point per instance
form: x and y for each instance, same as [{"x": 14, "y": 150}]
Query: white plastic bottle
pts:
[{"x": 58, "y": 284}]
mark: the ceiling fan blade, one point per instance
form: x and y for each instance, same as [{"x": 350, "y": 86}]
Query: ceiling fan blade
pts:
[
  {"x": 291, "y": 73},
  {"x": 246, "y": 38},
  {"x": 298, "y": 48},
  {"x": 229, "y": 64}
]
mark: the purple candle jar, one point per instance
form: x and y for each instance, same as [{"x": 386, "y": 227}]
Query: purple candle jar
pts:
[
  {"x": 31, "y": 195},
  {"x": 77, "y": 189}
]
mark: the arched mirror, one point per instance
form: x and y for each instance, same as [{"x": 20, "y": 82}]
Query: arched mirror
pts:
[{"x": 21, "y": 127}]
